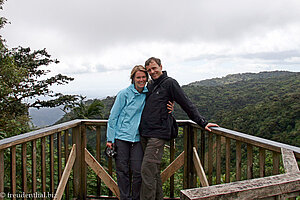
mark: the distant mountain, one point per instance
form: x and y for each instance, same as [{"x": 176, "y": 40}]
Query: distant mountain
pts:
[
  {"x": 45, "y": 116},
  {"x": 233, "y": 78}
]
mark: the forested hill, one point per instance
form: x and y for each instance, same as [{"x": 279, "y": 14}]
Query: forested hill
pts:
[
  {"x": 266, "y": 104},
  {"x": 232, "y": 78}
]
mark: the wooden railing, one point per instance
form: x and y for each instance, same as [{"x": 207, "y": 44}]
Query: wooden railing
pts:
[{"x": 60, "y": 161}]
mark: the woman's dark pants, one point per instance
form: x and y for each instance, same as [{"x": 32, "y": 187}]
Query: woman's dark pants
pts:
[{"x": 129, "y": 158}]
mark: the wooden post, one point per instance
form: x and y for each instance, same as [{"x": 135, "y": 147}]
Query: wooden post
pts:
[
  {"x": 43, "y": 163},
  {"x": 13, "y": 170},
  {"x": 289, "y": 161},
  {"x": 210, "y": 158},
  {"x": 227, "y": 174},
  {"x": 51, "y": 163},
  {"x": 33, "y": 169},
  {"x": 172, "y": 157},
  {"x": 249, "y": 161},
  {"x": 66, "y": 148},
  {"x": 188, "y": 157},
  {"x": 1, "y": 171},
  {"x": 77, "y": 182},
  {"x": 238, "y": 160},
  {"x": 98, "y": 156},
  {"x": 202, "y": 148},
  {"x": 276, "y": 160},
  {"x": 59, "y": 155},
  {"x": 83, "y": 163},
  {"x": 218, "y": 160},
  {"x": 262, "y": 160},
  {"x": 24, "y": 169},
  {"x": 195, "y": 145}
]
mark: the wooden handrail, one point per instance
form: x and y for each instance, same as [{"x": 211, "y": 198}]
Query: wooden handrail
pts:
[
  {"x": 33, "y": 135},
  {"x": 249, "y": 139}
]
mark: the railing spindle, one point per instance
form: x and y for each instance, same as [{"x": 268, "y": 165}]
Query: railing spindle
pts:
[
  {"x": 227, "y": 173},
  {"x": 66, "y": 148},
  {"x": 52, "y": 164},
  {"x": 43, "y": 162},
  {"x": 1, "y": 171},
  {"x": 76, "y": 137},
  {"x": 33, "y": 163},
  {"x": 249, "y": 161},
  {"x": 202, "y": 148},
  {"x": 59, "y": 155},
  {"x": 218, "y": 160},
  {"x": 98, "y": 156},
  {"x": 172, "y": 157},
  {"x": 276, "y": 160},
  {"x": 24, "y": 167},
  {"x": 262, "y": 160},
  {"x": 238, "y": 160},
  {"x": 13, "y": 170},
  {"x": 210, "y": 158}
]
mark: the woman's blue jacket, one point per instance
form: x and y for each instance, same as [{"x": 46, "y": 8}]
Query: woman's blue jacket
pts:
[{"x": 125, "y": 115}]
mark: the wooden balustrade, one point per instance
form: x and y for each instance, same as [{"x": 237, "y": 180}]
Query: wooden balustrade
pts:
[{"x": 39, "y": 162}]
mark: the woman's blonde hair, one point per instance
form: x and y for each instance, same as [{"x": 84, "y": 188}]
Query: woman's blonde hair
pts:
[{"x": 136, "y": 69}]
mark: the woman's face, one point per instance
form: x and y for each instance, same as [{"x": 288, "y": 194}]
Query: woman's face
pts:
[{"x": 140, "y": 80}]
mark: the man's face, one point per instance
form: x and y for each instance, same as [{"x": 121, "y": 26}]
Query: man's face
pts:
[{"x": 154, "y": 70}]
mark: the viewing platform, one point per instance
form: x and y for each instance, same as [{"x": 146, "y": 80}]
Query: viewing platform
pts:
[{"x": 67, "y": 161}]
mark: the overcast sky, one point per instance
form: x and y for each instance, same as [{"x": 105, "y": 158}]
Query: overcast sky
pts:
[{"x": 99, "y": 41}]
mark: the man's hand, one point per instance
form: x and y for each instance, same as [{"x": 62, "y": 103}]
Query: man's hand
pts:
[
  {"x": 210, "y": 125},
  {"x": 170, "y": 106},
  {"x": 109, "y": 144}
]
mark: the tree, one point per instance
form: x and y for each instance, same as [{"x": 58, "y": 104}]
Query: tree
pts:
[
  {"x": 23, "y": 83},
  {"x": 90, "y": 109}
]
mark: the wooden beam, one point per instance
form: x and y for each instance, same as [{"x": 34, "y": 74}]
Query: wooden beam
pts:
[
  {"x": 34, "y": 166},
  {"x": 249, "y": 161},
  {"x": 100, "y": 171},
  {"x": 172, "y": 168},
  {"x": 248, "y": 189},
  {"x": 13, "y": 172},
  {"x": 238, "y": 160},
  {"x": 218, "y": 160},
  {"x": 228, "y": 151},
  {"x": 66, "y": 174},
  {"x": 33, "y": 135},
  {"x": 289, "y": 161},
  {"x": 1, "y": 171},
  {"x": 199, "y": 168}
]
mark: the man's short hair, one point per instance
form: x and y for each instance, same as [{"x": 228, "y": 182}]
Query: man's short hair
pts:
[
  {"x": 136, "y": 69},
  {"x": 157, "y": 60}
]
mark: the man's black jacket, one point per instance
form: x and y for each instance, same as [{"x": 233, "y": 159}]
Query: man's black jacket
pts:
[{"x": 156, "y": 122}]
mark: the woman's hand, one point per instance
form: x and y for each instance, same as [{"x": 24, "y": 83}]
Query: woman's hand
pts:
[
  {"x": 170, "y": 106},
  {"x": 109, "y": 144}
]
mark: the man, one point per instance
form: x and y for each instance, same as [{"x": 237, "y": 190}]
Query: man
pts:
[{"x": 156, "y": 125}]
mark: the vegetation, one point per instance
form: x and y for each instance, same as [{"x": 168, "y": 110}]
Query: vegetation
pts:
[
  {"x": 23, "y": 83},
  {"x": 264, "y": 107}
]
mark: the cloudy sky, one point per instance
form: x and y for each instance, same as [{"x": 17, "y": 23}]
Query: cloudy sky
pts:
[{"x": 99, "y": 41}]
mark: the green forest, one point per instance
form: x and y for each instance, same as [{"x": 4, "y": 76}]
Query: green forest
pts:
[{"x": 264, "y": 104}]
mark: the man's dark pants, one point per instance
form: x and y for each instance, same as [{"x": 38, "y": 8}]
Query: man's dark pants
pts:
[
  {"x": 151, "y": 180},
  {"x": 129, "y": 157}
]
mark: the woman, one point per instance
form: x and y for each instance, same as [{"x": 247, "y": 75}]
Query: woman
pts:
[{"x": 123, "y": 134}]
